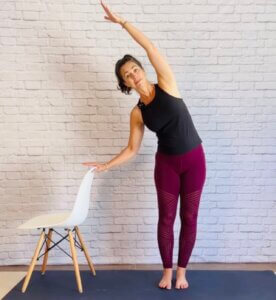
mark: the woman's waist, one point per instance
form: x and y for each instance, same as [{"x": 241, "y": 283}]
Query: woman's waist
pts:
[{"x": 179, "y": 149}]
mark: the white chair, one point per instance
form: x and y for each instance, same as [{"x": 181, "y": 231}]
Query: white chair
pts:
[{"x": 65, "y": 221}]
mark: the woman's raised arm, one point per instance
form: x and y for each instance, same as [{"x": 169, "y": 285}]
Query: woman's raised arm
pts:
[{"x": 159, "y": 63}]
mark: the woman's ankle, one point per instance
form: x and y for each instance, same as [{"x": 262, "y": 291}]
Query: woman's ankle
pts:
[
  {"x": 167, "y": 270},
  {"x": 181, "y": 269}
]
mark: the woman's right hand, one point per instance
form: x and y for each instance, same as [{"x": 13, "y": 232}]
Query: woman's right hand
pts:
[
  {"x": 111, "y": 16},
  {"x": 99, "y": 167}
]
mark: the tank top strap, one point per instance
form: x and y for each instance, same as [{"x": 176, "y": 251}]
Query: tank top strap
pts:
[{"x": 140, "y": 104}]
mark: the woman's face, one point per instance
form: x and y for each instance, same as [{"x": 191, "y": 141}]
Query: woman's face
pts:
[{"x": 132, "y": 74}]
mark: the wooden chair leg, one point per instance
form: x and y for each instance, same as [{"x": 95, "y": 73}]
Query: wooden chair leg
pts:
[
  {"x": 75, "y": 261},
  {"x": 47, "y": 246},
  {"x": 90, "y": 263},
  {"x": 33, "y": 262}
]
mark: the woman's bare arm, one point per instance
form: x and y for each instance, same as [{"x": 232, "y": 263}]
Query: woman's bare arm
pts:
[
  {"x": 165, "y": 75},
  {"x": 134, "y": 142},
  {"x": 137, "y": 35}
]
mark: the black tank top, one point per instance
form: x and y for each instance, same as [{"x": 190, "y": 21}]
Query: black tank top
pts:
[{"x": 170, "y": 119}]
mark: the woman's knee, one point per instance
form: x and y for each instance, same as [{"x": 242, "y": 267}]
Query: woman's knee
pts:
[
  {"x": 189, "y": 218},
  {"x": 166, "y": 219}
]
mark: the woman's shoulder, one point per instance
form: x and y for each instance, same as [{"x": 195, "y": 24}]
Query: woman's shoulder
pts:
[
  {"x": 136, "y": 114},
  {"x": 171, "y": 88}
]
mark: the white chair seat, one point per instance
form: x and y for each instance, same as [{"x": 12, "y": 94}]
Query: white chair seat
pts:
[{"x": 46, "y": 221}]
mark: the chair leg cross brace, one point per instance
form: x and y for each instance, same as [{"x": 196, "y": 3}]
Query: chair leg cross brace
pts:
[{"x": 47, "y": 238}]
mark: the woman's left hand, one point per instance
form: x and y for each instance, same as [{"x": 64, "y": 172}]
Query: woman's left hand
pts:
[{"x": 111, "y": 16}]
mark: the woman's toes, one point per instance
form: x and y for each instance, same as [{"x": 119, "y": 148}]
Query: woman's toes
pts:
[
  {"x": 165, "y": 285},
  {"x": 181, "y": 284},
  {"x": 168, "y": 286},
  {"x": 162, "y": 285},
  {"x": 184, "y": 285}
]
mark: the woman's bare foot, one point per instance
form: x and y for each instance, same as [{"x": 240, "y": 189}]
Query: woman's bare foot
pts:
[
  {"x": 181, "y": 282},
  {"x": 166, "y": 280}
]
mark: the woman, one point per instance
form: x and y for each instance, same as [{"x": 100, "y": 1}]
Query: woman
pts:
[{"x": 179, "y": 161}]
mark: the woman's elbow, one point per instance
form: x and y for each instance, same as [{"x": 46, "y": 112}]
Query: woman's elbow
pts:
[{"x": 133, "y": 150}]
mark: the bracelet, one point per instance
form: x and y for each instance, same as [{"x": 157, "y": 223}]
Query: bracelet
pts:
[{"x": 123, "y": 24}]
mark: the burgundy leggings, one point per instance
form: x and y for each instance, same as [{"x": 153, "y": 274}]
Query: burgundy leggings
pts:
[{"x": 175, "y": 175}]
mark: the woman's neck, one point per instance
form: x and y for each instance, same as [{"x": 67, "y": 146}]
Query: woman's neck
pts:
[{"x": 147, "y": 93}]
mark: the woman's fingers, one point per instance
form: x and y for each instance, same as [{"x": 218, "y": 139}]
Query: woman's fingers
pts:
[
  {"x": 98, "y": 167},
  {"x": 110, "y": 16},
  {"x": 105, "y": 8},
  {"x": 102, "y": 3}
]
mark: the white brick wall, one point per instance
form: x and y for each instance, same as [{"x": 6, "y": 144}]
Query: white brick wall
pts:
[{"x": 59, "y": 106}]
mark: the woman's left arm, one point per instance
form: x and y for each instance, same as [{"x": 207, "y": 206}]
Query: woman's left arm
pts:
[{"x": 159, "y": 63}]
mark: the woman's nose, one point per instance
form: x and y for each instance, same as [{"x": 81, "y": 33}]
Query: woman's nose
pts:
[{"x": 133, "y": 77}]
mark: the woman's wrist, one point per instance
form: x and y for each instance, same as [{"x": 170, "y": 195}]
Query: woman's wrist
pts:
[
  {"x": 106, "y": 166},
  {"x": 123, "y": 22}
]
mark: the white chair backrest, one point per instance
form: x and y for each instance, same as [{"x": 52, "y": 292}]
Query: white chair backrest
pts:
[{"x": 81, "y": 206}]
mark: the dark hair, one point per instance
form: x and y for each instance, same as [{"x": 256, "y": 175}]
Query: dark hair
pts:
[{"x": 121, "y": 86}]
